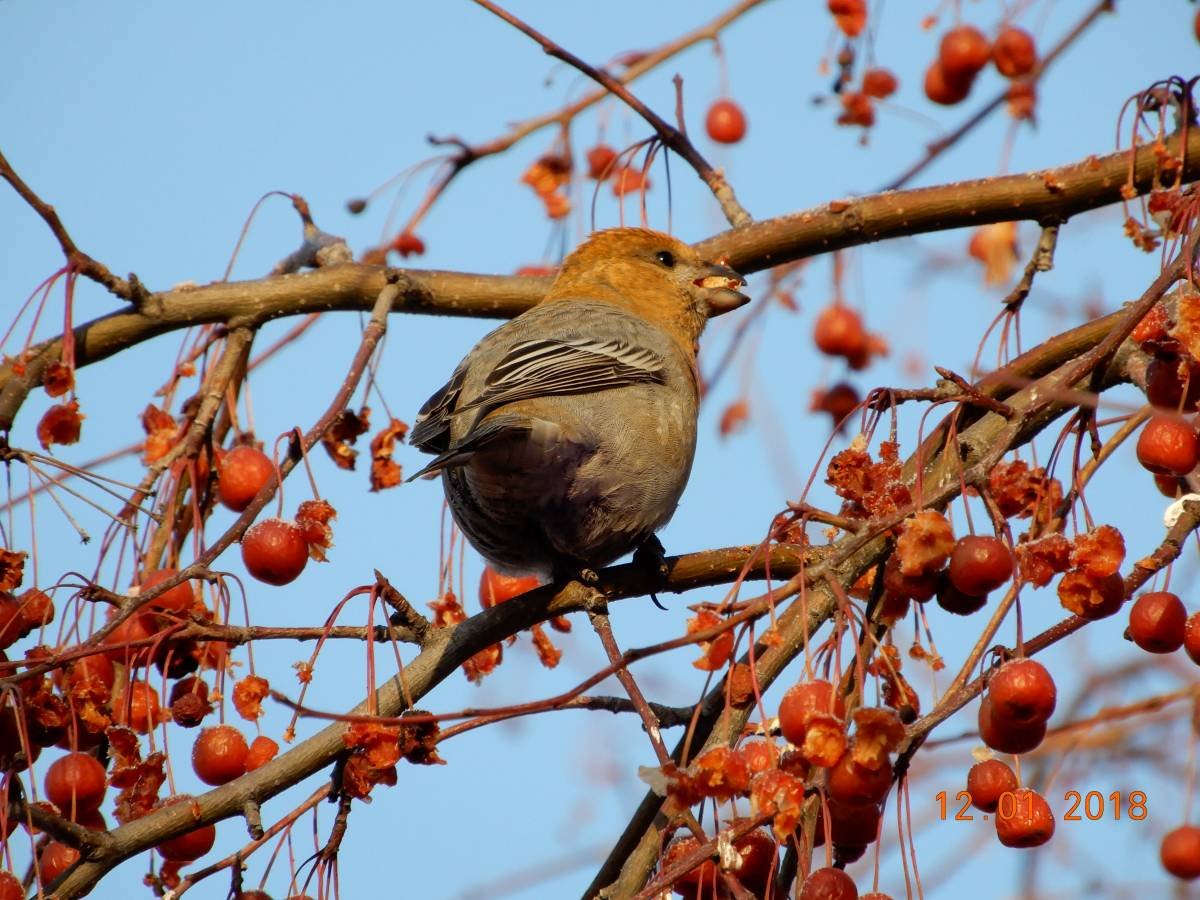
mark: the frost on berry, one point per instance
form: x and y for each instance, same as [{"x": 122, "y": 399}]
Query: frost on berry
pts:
[
  {"x": 60, "y": 424},
  {"x": 1039, "y": 561},
  {"x": 313, "y": 518},
  {"x": 248, "y": 695},
  {"x": 548, "y": 654},
  {"x": 1023, "y": 492},
  {"x": 781, "y": 796},
  {"x": 348, "y": 426},
  {"x": 385, "y": 471},
  {"x": 925, "y": 543},
  {"x": 877, "y": 732},
  {"x": 1187, "y": 322},
  {"x": 720, "y": 773},
  {"x": 824, "y": 740},
  {"x": 138, "y": 779},
  {"x": 1099, "y": 552},
  {"x": 58, "y": 379},
  {"x": 12, "y": 568},
  {"x": 162, "y": 431},
  {"x": 716, "y": 650},
  {"x": 1090, "y": 597},
  {"x": 869, "y": 488},
  {"x": 374, "y": 752}
]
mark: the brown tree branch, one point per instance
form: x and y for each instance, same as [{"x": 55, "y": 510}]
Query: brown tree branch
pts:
[
  {"x": 671, "y": 136},
  {"x": 77, "y": 260},
  {"x": 1049, "y": 195}
]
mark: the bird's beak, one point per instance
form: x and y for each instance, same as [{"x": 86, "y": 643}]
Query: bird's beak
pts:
[{"x": 721, "y": 285}]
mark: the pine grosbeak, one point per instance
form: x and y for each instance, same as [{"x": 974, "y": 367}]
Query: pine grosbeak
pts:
[{"x": 566, "y": 436}]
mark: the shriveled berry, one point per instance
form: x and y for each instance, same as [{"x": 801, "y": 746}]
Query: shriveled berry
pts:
[
  {"x": 1022, "y": 693},
  {"x": 725, "y": 122},
  {"x": 219, "y": 754},
  {"x": 1168, "y": 446},
  {"x": 1157, "y": 621},
  {"x": 241, "y": 475},
  {"x": 1180, "y": 852},
  {"x": 1031, "y": 823},
  {"x": 980, "y": 564},
  {"x": 274, "y": 551},
  {"x": 986, "y": 781}
]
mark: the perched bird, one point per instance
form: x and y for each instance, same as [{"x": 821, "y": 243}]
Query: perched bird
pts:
[{"x": 565, "y": 437}]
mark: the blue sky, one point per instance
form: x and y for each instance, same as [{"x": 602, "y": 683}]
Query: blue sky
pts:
[{"x": 153, "y": 129}]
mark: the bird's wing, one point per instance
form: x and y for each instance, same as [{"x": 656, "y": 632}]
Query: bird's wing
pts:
[
  {"x": 549, "y": 366},
  {"x": 431, "y": 430}
]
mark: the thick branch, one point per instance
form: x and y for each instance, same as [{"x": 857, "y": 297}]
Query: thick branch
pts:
[{"x": 1052, "y": 195}]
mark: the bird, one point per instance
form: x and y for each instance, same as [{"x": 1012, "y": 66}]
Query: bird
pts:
[{"x": 565, "y": 437}]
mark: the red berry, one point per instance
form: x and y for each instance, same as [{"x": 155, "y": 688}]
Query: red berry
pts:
[
  {"x": 11, "y": 621},
  {"x": 1180, "y": 852},
  {"x": 1014, "y": 52},
  {"x": 1157, "y": 621},
  {"x": 262, "y": 750},
  {"x": 75, "y": 783},
  {"x": 848, "y": 782},
  {"x": 1031, "y": 823},
  {"x": 274, "y": 551},
  {"x": 601, "y": 161},
  {"x": 240, "y": 476},
  {"x": 725, "y": 122},
  {"x": 986, "y": 781},
  {"x": 10, "y": 887},
  {"x": 964, "y": 51},
  {"x": 829, "y": 884},
  {"x": 55, "y": 859},
  {"x": 952, "y": 600},
  {"x": 941, "y": 89},
  {"x": 179, "y": 599},
  {"x": 802, "y": 702},
  {"x": 1165, "y": 387},
  {"x": 219, "y": 754},
  {"x": 138, "y": 707},
  {"x": 1022, "y": 693},
  {"x": 1168, "y": 446},
  {"x": 1005, "y": 737},
  {"x": 980, "y": 564},
  {"x": 757, "y": 850},
  {"x": 839, "y": 331},
  {"x": 1191, "y": 637},
  {"x": 704, "y": 875},
  {"x": 496, "y": 588},
  {"x": 190, "y": 845},
  {"x": 137, "y": 627},
  {"x": 879, "y": 83},
  {"x": 850, "y": 15}
]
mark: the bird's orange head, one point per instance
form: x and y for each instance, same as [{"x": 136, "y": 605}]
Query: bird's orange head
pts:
[{"x": 653, "y": 275}]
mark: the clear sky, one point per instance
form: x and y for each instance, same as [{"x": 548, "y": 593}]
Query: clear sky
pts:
[{"x": 154, "y": 128}]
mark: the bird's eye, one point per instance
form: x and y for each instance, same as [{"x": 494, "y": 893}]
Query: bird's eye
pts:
[{"x": 666, "y": 257}]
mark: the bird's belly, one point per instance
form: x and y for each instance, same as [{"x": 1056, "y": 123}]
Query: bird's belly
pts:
[{"x": 586, "y": 495}]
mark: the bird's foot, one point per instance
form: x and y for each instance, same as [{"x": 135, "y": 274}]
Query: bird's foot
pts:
[{"x": 652, "y": 559}]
